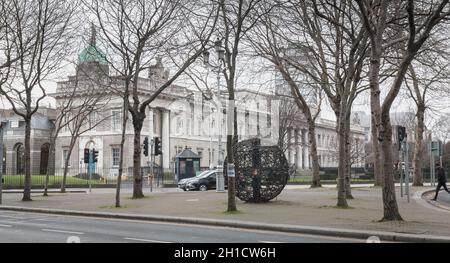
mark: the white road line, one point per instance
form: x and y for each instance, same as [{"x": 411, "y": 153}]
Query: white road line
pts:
[
  {"x": 270, "y": 242},
  {"x": 11, "y": 217},
  {"x": 5, "y": 225},
  {"x": 22, "y": 223},
  {"x": 146, "y": 240},
  {"x": 62, "y": 231}
]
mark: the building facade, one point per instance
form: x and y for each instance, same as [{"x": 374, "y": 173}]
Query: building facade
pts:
[
  {"x": 42, "y": 124},
  {"x": 181, "y": 117}
]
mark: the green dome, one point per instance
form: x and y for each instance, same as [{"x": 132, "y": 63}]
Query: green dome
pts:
[{"x": 92, "y": 54}]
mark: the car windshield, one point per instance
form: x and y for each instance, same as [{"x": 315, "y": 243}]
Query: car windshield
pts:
[{"x": 205, "y": 174}]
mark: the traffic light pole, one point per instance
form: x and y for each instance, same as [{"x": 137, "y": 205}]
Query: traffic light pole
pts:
[
  {"x": 1, "y": 164},
  {"x": 407, "y": 168},
  {"x": 91, "y": 161},
  {"x": 402, "y": 158}
]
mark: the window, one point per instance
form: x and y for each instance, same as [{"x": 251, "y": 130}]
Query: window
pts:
[
  {"x": 154, "y": 122},
  {"x": 188, "y": 127},
  {"x": 92, "y": 120},
  {"x": 200, "y": 152},
  {"x": 115, "y": 157},
  {"x": 14, "y": 124},
  {"x": 116, "y": 120},
  {"x": 65, "y": 156}
]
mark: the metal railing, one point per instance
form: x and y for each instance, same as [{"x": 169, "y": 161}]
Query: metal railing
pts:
[{"x": 99, "y": 178}]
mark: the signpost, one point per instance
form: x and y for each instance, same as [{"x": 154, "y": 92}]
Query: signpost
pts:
[
  {"x": 2, "y": 124},
  {"x": 403, "y": 147},
  {"x": 434, "y": 147},
  {"x": 90, "y": 158}
]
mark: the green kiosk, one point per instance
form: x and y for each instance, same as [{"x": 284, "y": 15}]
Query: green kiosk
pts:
[{"x": 187, "y": 164}]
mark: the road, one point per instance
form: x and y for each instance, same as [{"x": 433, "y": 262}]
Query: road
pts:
[
  {"x": 18, "y": 227},
  {"x": 443, "y": 198}
]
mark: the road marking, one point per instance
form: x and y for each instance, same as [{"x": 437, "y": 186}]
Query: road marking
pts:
[
  {"x": 23, "y": 223},
  {"x": 62, "y": 231},
  {"x": 146, "y": 240},
  {"x": 11, "y": 217},
  {"x": 5, "y": 225},
  {"x": 271, "y": 242},
  {"x": 192, "y": 200}
]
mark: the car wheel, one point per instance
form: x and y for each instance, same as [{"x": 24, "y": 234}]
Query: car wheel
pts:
[
  {"x": 203, "y": 188},
  {"x": 184, "y": 189}
]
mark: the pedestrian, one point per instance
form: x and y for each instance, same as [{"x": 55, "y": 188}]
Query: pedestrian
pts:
[{"x": 442, "y": 181}]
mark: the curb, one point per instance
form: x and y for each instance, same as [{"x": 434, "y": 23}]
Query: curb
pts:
[
  {"x": 42, "y": 191},
  {"x": 437, "y": 205},
  {"x": 343, "y": 233}
]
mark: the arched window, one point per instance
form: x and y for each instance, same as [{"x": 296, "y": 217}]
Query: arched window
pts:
[
  {"x": 45, "y": 151},
  {"x": 20, "y": 166}
]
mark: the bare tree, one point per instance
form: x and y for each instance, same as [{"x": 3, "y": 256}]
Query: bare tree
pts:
[
  {"x": 426, "y": 84},
  {"x": 331, "y": 35},
  {"x": 237, "y": 18},
  {"x": 139, "y": 31},
  {"x": 62, "y": 120},
  {"x": 81, "y": 116},
  {"x": 419, "y": 19},
  {"x": 273, "y": 41},
  {"x": 38, "y": 36},
  {"x": 7, "y": 54},
  {"x": 289, "y": 116}
]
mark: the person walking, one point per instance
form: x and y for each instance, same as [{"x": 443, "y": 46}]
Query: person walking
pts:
[{"x": 442, "y": 181}]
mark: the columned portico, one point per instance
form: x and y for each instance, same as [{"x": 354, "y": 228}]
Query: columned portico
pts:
[
  {"x": 306, "y": 157},
  {"x": 166, "y": 138}
]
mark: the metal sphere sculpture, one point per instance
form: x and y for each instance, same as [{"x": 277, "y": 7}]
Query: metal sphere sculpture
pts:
[{"x": 262, "y": 172}]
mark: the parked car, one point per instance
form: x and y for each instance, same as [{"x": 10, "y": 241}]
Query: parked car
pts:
[{"x": 202, "y": 182}]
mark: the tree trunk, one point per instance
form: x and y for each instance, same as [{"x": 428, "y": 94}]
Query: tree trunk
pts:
[
  {"x": 137, "y": 186},
  {"x": 391, "y": 212},
  {"x": 122, "y": 143},
  {"x": 376, "y": 148},
  {"x": 231, "y": 140},
  {"x": 27, "y": 161},
  {"x": 342, "y": 200},
  {"x": 314, "y": 158},
  {"x": 66, "y": 166},
  {"x": 348, "y": 162},
  {"x": 50, "y": 163},
  {"x": 418, "y": 147},
  {"x": 375, "y": 104}
]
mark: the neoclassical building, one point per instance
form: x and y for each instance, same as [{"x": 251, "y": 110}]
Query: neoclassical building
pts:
[
  {"x": 42, "y": 124},
  {"x": 180, "y": 116}
]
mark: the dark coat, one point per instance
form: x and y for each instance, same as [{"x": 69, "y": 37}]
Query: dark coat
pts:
[{"x": 441, "y": 175}]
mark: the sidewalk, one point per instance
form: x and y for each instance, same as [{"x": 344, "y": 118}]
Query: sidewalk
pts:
[{"x": 296, "y": 206}]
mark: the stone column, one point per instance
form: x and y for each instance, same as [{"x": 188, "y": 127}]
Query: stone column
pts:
[
  {"x": 307, "y": 159},
  {"x": 292, "y": 148},
  {"x": 165, "y": 136},
  {"x": 299, "y": 149}
]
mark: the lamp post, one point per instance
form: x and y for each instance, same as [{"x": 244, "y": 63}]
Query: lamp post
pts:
[
  {"x": 2, "y": 126},
  {"x": 220, "y": 181}
]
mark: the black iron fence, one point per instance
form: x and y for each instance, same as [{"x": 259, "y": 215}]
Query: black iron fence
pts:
[{"x": 97, "y": 178}]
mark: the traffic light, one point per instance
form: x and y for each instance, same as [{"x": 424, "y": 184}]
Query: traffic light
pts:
[
  {"x": 87, "y": 153},
  {"x": 158, "y": 146},
  {"x": 401, "y": 136},
  {"x": 146, "y": 146},
  {"x": 95, "y": 156}
]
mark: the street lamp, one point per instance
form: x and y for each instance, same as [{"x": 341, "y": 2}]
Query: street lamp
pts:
[
  {"x": 220, "y": 181},
  {"x": 2, "y": 126}
]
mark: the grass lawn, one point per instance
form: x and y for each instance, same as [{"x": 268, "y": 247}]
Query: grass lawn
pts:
[
  {"x": 39, "y": 180},
  {"x": 308, "y": 179}
]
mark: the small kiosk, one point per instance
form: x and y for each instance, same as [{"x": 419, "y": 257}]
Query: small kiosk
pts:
[{"x": 187, "y": 164}]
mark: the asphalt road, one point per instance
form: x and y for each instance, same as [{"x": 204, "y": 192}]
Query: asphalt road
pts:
[
  {"x": 18, "y": 227},
  {"x": 444, "y": 197}
]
